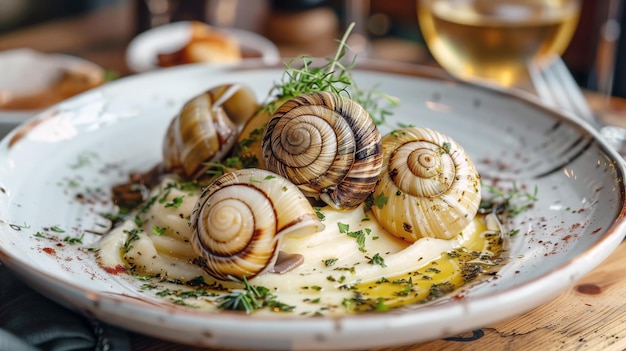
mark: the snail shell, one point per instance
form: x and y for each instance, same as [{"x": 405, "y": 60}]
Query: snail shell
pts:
[
  {"x": 237, "y": 100},
  {"x": 431, "y": 186},
  {"x": 248, "y": 148},
  {"x": 205, "y": 129},
  {"x": 240, "y": 217},
  {"x": 327, "y": 145}
]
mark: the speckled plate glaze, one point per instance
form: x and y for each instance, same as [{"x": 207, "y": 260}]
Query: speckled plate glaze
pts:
[{"x": 57, "y": 169}]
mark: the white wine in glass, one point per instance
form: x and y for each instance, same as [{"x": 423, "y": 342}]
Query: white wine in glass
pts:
[{"x": 495, "y": 40}]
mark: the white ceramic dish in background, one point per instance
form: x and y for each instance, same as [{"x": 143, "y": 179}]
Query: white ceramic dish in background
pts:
[
  {"x": 11, "y": 119},
  {"x": 57, "y": 170},
  {"x": 27, "y": 71},
  {"x": 142, "y": 51}
]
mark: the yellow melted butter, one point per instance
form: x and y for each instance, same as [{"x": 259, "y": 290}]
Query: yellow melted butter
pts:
[
  {"x": 339, "y": 275},
  {"x": 479, "y": 255}
]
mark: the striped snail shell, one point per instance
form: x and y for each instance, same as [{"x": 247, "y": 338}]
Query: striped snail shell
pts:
[
  {"x": 327, "y": 145},
  {"x": 248, "y": 147},
  {"x": 430, "y": 185},
  {"x": 240, "y": 218},
  {"x": 237, "y": 100},
  {"x": 205, "y": 129}
]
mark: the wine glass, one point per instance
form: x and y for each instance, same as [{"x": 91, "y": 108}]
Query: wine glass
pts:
[{"x": 494, "y": 41}]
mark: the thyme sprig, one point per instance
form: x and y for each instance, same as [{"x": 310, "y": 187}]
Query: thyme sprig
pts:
[
  {"x": 510, "y": 203},
  {"x": 334, "y": 77},
  {"x": 251, "y": 298}
]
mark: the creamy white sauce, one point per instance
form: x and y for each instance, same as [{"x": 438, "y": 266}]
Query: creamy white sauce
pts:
[{"x": 333, "y": 260}]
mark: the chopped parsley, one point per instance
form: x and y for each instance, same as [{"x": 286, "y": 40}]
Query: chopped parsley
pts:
[
  {"x": 73, "y": 240},
  {"x": 360, "y": 236},
  {"x": 380, "y": 200},
  {"x": 377, "y": 260},
  {"x": 509, "y": 203},
  {"x": 133, "y": 235},
  {"x": 252, "y": 298},
  {"x": 329, "y": 262},
  {"x": 176, "y": 202},
  {"x": 158, "y": 230},
  {"x": 318, "y": 212}
]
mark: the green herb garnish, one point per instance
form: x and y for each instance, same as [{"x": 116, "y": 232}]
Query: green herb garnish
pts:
[
  {"x": 332, "y": 77},
  {"x": 72, "y": 240},
  {"x": 251, "y": 298},
  {"x": 330, "y": 261},
  {"x": 380, "y": 200},
  {"x": 377, "y": 260},
  {"x": 176, "y": 202},
  {"x": 510, "y": 203},
  {"x": 359, "y": 235},
  {"x": 133, "y": 235},
  {"x": 158, "y": 230}
]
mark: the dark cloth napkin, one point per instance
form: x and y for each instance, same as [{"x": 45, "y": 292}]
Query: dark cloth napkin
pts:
[{"x": 31, "y": 322}]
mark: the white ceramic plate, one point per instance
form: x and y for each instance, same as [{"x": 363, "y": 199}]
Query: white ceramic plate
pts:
[
  {"x": 56, "y": 172},
  {"x": 141, "y": 54}
]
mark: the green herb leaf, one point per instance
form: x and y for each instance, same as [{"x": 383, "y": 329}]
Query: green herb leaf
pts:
[
  {"x": 133, "y": 235},
  {"x": 331, "y": 261},
  {"x": 252, "y": 298},
  {"x": 176, "y": 202},
  {"x": 378, "y": 260},
  {"x": 332, "y": 77},
  {"x": 380, "y": 200},
  {"x": 510, "y": 203},
  {"x": 72, "y": 240},
  {"x": 158, "y": 230},
  {"x": 343, "y": 228}
]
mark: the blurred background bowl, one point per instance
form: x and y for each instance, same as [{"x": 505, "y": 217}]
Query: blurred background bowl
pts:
[
  {"x": 143, "y": 50},
  {"x": 32, "y": 81}
]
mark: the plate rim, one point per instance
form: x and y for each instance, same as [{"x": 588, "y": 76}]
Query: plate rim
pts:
[{"x": 593, "y": 254}]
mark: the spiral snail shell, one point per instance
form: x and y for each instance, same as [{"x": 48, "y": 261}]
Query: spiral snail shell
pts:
[
  {"x": 240, "y": 218},
  {"x": 206, "y": 129},
  {"x": 248, "y": 147},
  {"x": 430, "y": 185},
  {"x": 237, "y": 100},
  {"x": 327, "y": 145}
]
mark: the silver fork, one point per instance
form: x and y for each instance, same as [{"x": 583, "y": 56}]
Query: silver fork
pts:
[{"x": 556, "y": 87}]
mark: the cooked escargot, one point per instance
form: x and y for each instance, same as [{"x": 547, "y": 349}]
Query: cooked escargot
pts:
[
  {"x": 237, "y": 100},
  {"x": 206, "y": 129},
  {"x": 327, "y": 145},
  {"x": 428, "y": 187},
  {"x": 240, "y": 218},
  {"x": 248, "y": 147}
]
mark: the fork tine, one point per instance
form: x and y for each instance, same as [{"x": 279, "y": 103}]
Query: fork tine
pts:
[
  {"x": 556, "y": 87},
  {"x": 542, "y": 88},
  {"x": 549, "y": 85},
  {"x": 572, "y": 91}
]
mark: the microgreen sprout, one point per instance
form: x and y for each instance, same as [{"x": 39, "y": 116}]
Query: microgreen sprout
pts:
[{"x": 333, "y": 77}]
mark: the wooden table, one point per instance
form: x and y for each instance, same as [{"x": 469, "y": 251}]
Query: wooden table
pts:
[{"x": 589, "y": 316}]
